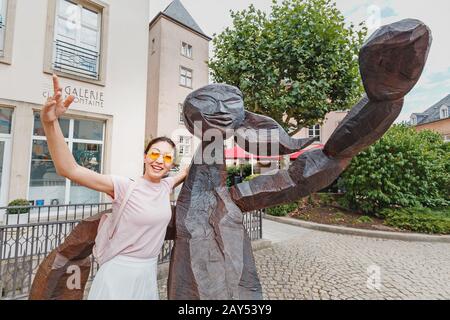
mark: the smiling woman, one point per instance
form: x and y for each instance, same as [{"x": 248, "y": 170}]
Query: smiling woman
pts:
[{"x": 129, "y": 239}]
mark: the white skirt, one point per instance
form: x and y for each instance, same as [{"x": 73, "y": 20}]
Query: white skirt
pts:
[{"x": 126, "y": 278}]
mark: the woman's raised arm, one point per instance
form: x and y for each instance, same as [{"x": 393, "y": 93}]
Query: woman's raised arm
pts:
[{"x": 63, "y": 159}]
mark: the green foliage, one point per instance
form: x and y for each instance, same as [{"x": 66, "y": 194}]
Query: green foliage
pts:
[
  {"x": 405, "y": 168},
  {"x": 339, "y": 217},
  {"x": 18, "y": 203},
  {"x": 301, "y": 60},
  {"x": 325, "y": 199},
  {"x": 310, "y": 201},
  {"x": 419, "y": 219},
  {"x": 251, "y": 177},
  {"x": 364, "y": 219},
  {"x": 233, "y": 171},
  {"x": 283, "y": 210}
]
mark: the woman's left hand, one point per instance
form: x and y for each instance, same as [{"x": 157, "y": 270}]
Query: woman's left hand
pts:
[{"x": 181, "y": 176}]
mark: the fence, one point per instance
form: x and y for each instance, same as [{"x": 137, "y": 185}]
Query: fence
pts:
[{"x": 27, "y": 238}]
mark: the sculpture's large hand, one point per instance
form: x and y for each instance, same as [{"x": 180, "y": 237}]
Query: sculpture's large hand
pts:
[
  {"x": 393, "y": 58},
  {"x": 391, "y": 62}
]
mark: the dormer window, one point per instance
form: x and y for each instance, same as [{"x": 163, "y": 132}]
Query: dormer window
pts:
[
  {"x": 444, "y": 112},
  {"x": 413, "y": 120}
]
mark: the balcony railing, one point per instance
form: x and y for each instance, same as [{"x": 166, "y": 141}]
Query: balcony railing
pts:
[
  {"x": 27, "y": 238},
  {"x": 75, "y": 59}
]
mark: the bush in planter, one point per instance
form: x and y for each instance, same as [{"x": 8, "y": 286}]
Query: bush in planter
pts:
[
  {"x": 251, "y": 177},
  {"x": 233, "y": 171},
  {"x": 283, "y": 210},
  {"x": 18, "y": 203}
]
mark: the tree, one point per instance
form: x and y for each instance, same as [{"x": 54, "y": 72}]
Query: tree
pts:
[
  {"x": 404, "y": 169},
  {"x": 294, "y": 65}
]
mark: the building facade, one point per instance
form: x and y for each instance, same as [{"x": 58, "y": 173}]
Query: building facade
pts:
[
  {"x": 323, "y": 131},
  {"x": 99, "y": 51},
  {"x": 178, "y": 56},
  {"x": 436, "y": 118}
]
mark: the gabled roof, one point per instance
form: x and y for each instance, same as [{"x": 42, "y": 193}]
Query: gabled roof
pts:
[
  {"x": 433, "y": 113},
  {"x": 177, "y": 12}
]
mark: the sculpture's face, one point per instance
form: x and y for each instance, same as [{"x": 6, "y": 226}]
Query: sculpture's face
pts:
[{"x": 217, "y": 106}]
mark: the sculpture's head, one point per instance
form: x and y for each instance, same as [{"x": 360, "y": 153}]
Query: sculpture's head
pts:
[
  {"x": 221, "y": 107},
  {"x": 216, "y": 106}
]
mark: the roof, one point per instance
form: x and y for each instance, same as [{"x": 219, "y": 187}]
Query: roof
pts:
[
  {"x": 433, "y": 113},
  {"x": 177, "y": 12}
]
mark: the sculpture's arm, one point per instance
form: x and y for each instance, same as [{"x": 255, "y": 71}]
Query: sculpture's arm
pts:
[
  {"x": 317, "y": 169},
  {"x": 258, "y": 130},
  {"x": 391, "y": 63},
  {"x": 170, "y": 232}
]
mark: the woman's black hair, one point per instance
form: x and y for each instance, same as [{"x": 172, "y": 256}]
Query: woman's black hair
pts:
[{"x": 159, "y": 139}]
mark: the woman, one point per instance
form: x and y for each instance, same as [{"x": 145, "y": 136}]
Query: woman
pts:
[{"x": 128, "y": 266}]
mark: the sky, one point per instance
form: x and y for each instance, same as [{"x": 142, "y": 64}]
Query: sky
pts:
[{"x": 213, "y": 16}]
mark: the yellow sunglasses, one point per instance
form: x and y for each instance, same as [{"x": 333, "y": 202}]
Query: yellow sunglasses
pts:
[{"x": 154, "y": 155}]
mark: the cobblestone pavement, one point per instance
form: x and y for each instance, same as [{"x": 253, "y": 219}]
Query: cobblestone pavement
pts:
[{"x": 308, "y": 264}]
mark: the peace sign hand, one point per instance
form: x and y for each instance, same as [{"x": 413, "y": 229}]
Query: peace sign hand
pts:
[{"x": 55, "y": 106}]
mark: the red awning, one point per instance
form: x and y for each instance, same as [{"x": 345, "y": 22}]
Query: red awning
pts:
[
  {"x": 236, "y": 153},
  {"x": 239, "y": 153},
  {"x": 308, "y": 148}
]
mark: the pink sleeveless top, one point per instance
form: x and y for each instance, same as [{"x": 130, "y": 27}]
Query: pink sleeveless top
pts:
[{"x": 142, "y": 227}]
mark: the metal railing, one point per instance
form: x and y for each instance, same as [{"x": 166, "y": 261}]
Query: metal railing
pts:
[
  {"x": 27, "y": 238},
  {"x": 76, "y": 59}
]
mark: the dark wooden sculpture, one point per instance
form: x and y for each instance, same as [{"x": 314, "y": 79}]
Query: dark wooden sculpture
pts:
[
  {"x": 52, "y": 280},
  {"x": 212, "y": 256}
]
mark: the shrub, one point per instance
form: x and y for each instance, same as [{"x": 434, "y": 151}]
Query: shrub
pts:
[
  {"x": 251, "y": 177},
  {"x": 18, "y": 203},
  {"x": 283, "y": 210},
  {"x": 419, "y": 219},
  {"x": 325, "y": 199},
  {"x": 233, "y": 171},
  {"x": 405, "y": 168},
  {"x": 364, "y": 219}
]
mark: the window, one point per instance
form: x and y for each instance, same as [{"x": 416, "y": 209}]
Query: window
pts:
[
  {"x": 7, "y": 17},
  {"x": 5, "y": 120},
  {"x": 180, "y": 113},
  {"x": 153, "y": 46},
  {"x": 76, "y": 48},
  {"x": 413, "y": 120},
  {"x": 85, "y": 139},
  {"x": 185, "y": 77},
  {"x": 184, "y": 145},
  {"x": 6, "y": 115},
  {"x": 314, "y": 131},
  {"x": 444, "y": 112},
  {"x": 186, "y": 50},
  {"x": 3, "y": 5},
  {"x": 77, "y": 39},
  {"x": 447, "y": 138}
]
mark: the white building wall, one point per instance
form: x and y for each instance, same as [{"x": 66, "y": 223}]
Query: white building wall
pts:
[{"x": 121, "y": 100}]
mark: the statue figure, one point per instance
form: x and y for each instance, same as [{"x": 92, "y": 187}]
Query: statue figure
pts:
[{"x": 212, "y": 256}]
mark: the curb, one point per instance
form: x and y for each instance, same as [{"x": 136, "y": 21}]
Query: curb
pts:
[
  {"x": 360, "y": 232},
  {"x": 163, "y": 269}
]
